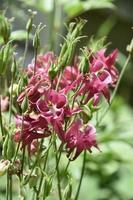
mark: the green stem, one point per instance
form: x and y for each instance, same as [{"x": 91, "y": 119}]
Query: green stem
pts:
[
  {"x": 10, "y": 182},
  {"x": 116, "y": 89},
  {"x": 7, "y": 186},
  {"x": 65, "y": 171},
  {"x": 81, "y": 177},
  {"x": 26, "y": 48},
  {"x": 1, "y": 123},
  {"x": 58, "y": 172},
  {"x": 44, "y": 167},
  {"x": 52, "y": 26},
  {"x": 16, "y": 153},
  {"x": 35, "y": 56},
  {"x": 22, "y": 162},
  {"x": 11, "y": 100},
  {"x": 35, "y": 163}
]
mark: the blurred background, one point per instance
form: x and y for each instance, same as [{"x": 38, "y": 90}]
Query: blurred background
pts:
[{"x": 109, "y": 174}]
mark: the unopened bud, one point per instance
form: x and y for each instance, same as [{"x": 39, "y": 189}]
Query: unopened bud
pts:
[
  {"x": 4, "y": 165},
  {"x": 5, "y": 28},
  {"x": 24, "y": 105}
]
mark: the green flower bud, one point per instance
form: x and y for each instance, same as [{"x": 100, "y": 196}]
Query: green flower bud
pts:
[
  {"x": 10, "y": 148},
  {"x": 14, "y": 67},
  {"x": 68, "y": 192},
  {"x": 5, "y": 145},
  {"x": 48, "y": 186},
  {"x": 24, "y": 105},
  {"x": 4, "y": 166},
  {"x": 30, "y": 21},
  {"x": 33, "y": 180},
  {"x": 5, "y": 28},
  {"x": 4, "y": 58},
  {"x": 130, "y": 47},
  {"x": 36, "y": 41}
]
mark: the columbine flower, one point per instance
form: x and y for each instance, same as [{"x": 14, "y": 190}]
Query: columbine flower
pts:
[
  {"x": 100, "y": 62},
  {"x": 34, "y": 127},
  {"x": 43, "y": 63},
  {"x": 51, "y": 106},
  {"x": 79, "y": 138},
  {"x": 36, "y": 87},
  {"x": 94, "y": 86}
]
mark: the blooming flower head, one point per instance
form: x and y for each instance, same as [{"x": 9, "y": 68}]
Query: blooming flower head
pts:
[
  {"x": 42, "y": 65},
  {"x": 79, "y": 138},
  {"x": 100, "y": 62}
]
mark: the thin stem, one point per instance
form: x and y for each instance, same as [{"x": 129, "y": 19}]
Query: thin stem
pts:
[
  {"x": 7, "y": 186},
  {"x": 11, "y": 100},
  {"x": 52, "y": 26},
  {"x": 35, "y": 163},
  {"x": 16, "y": 153},
  {"x": 10, "y": 184},
  {"x": 116, "y": 89},
  {"x": 1, "y": 123},
  {"x": 26, "y": 48},
  {"x": 44, "y": 167},
  {"x": 35, "y": 56},
  {"x": 81, "y": 177},
  {"x": 65, "y": 171},
  {"x": 59, "y": 79},
  {"x": 58, "y": 172},
  {"x": 22, "y": 162}
]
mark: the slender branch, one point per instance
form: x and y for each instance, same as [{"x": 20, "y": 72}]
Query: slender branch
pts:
[
  {"x": 81, "y": 177},
  {"x": 35, "y": 56},
  {"x": 1, "y": 123},
  {"x": 7, "y": 186},
  {"x": 44, "y": 167},
  {"x": 26, "y": 48},
  {"x": 58, "y": 172},
  {"x": 10, "y": 184},
  {"x": 52, "y": 26}
]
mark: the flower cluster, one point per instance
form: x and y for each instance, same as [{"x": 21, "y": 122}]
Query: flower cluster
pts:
[{"x": 56, "y": 106}]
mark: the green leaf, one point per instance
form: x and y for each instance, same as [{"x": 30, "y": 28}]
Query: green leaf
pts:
[{"x": 76, "y": 7}]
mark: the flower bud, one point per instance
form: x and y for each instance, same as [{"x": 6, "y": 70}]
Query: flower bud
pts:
[
  {"x": 24, "y": 105},
  {"x": 4, "y": 165},
  {"x": 48, "y": 186},
  {"x": 5, "y": 28},
  {"x": 5, "y": 145},
  {"x": 30, "y": 21},
  {"x": 10, "y": 148},
  {"x": 4, "y": 58},
  {"x": 33, "y": 180},
  {"x": 130, "y": 47},
  {"x": 68, "y": 192}
]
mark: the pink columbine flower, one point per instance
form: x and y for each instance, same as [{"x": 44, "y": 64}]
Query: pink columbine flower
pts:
[
  {"x": 94, "y": 86},
  {"x": 51, "y": 106},
  {"x": 37, "y": 85},
  {"x": 100, "y": 62},
  {"x": 79, "y": 138},
  {"x": 32, "y": 128},
  {"x": 43, "y": 63}
]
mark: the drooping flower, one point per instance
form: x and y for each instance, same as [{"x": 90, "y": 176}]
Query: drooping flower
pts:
[
  {"x": 42, "y": 65},
  {"x": 100, "y": 63},
  {"x": 30, "y": 128},
  {"x": 37, "y": 85},
  {"x": 79, "y": 138},
  {"x": 51, "y": 106},
  {"x": 94, "y": 86}
]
